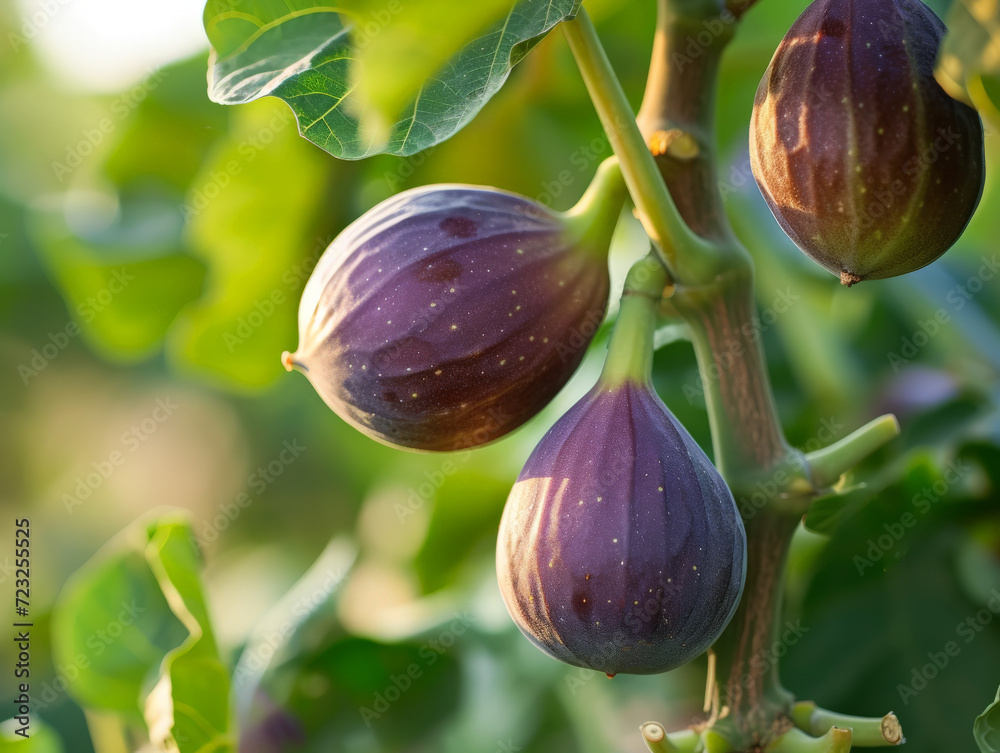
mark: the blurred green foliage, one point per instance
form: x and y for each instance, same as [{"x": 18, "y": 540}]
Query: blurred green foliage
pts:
[
  {"x": 167, "y": 265},
  {"x": 987, "y": 727}
]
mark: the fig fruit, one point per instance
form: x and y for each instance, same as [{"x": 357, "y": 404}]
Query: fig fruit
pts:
[
  {"x": 449, "y": 315},
  {"x": 620, "y": 547},
  {"x": 867, "y": 164}
]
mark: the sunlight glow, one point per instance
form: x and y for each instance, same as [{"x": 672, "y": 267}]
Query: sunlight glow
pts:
[{"x": 108, "y": 45}]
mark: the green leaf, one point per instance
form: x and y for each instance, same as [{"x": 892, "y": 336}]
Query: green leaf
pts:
[
  {"x": 113, "y": 624},
  {"x": 827, "y": 511},
  {"x": 252, "y": 218},
  {"x": 968, "y": 66},
  {"x": 304, "y": 53},
  {"x": 189, "y": 707},
  {"x": 133, "y": 624},
  {"x": 401, "y": 46},
  {"x": 897, "y": 637},
  {"x": 42, "y": 739},
  {"x": 911, "y": 474},
  {"x": 123, "y": 283},
  {"x": 987, "y": 727},
  {"x": 341, "y": 692}
]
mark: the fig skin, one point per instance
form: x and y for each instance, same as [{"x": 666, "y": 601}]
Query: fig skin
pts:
[
  {"x": 868, "y": 165},
  {"x": 449, "y": 315},
  {"x": 621, "y": 548}
]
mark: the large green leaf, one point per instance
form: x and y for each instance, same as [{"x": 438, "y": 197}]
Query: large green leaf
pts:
[
  {"x": 987, "y": 727},
  {"x": 306, "y": 53},
  {"x": 402, "y": 48},
  {"x": 133, "y": 626},
  {"x": 188, "y": 710},
  {"x": 895, "y": 638},
  {"x": 969, "y": 65},
  {"x": 113, "y": 624}
]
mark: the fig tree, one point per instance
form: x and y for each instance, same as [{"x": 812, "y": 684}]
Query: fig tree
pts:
[
  {"x": 867, "y": 164},
  {"x": 449, "y": 315},
  {"x": 620, "y": 547}
]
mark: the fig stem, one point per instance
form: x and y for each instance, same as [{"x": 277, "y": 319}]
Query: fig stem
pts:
[
  {"x": 867, "y": 732},
  {"x": 289, "y": 362},
  {"x": 836, "y": 740},
  {"x": 686, "y": 255},
  {"x": 630, "y": 352},
  {"x": 658, "y": 741},
  {"x": 592, "y": 222},
  {"x": 829, "y": 464}
]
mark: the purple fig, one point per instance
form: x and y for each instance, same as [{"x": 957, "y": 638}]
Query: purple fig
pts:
[
  {"x": 866, "y": 162},
  {"x": 448, "y": 316},
  {"x": 621, "y": 548}
]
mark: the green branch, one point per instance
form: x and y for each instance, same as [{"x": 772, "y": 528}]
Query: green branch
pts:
[
  {"x": 658, "y": 741},
  {"x": 868, "y": 732},
  {"x": 829, "y": 464},
  {"x": 796, "y": 741}
]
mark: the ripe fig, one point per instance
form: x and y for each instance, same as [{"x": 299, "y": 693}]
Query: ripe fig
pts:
[
  {"x": 621, "y": 548},
  {"x": 448, "y": 316},
  {"x": 867, "y": 164}
]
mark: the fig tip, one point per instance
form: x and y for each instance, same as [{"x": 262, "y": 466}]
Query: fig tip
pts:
[{"x": 849, "y": 279}]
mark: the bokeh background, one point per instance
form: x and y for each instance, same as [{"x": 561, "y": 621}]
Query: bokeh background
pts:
[{"x": 148, "y": 287}]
